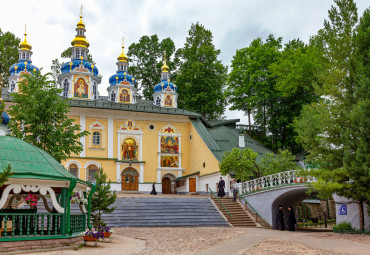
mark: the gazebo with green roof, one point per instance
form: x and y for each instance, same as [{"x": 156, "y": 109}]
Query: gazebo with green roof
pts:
[{"x": 38, "y": 175}]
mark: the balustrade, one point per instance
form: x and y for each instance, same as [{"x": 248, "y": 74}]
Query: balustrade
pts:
[{"x": 274, "y": 180}]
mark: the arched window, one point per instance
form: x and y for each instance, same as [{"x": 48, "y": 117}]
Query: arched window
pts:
[
  {"x": 65, "y": 88},
  {"x": 95, "y": 92},
  {"x": 12, "y": 86},
  {"x": 96, "y": 138},
  {"x": 91, "y": 171},
  {"x": 158, "y": 101},
  {"x": 73, "y": 169},
  {"x": 113, "y": 96}
]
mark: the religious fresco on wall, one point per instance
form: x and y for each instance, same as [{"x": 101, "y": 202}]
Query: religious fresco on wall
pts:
[
  {"x": 129, "y": 149},
  {"x": 169, "y": 144},
  {"x": 124, "y": 96},
  {"x": 169, "y": 161},
  {"x": 130, "y": 126},
  {"x": 168, "y": 100},
  {"x": 81, "y": 89}
]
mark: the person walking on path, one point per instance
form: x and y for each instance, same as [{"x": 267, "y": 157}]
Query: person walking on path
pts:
[
  {"x": 221, "y": 188},
  {"x": 280, "y": 219},
  {"x": 291, "y": 219},
  {"x": 235, "y": 188},
  {"x": 154, "y": 192}
]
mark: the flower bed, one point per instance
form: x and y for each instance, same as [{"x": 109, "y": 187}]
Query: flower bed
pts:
[
  {"x": 92, "y": 236},
  {"x": 107, "y": 231}
]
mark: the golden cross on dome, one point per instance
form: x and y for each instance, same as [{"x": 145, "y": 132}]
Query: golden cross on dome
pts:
[
  {"x": 165, "y": 57},
  {"x": 81, "y": 12}
]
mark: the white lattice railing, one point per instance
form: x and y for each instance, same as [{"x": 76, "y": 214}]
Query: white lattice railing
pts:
[{"x": 274, "y": 180}]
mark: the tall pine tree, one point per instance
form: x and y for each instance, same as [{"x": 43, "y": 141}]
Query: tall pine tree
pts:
[{"x": 201, "y": 78}]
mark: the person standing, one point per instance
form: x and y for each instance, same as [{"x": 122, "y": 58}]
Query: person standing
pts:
[
  {"x": 235, "y": 188},
  {"x": 291, "y": 219},
  {"x": 280, "y": 219},
  {"x": 221, "y": 188},
  {"x": 154, "y": 192}
]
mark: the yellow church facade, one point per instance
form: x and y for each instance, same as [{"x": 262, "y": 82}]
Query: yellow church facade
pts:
[{"x": 139, "y": 143}]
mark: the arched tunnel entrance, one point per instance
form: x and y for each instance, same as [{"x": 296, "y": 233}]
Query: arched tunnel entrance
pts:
[{"x": 289, "y": 198}]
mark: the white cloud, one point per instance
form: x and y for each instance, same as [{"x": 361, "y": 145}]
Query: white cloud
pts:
[{"x": 234, "y": 24}]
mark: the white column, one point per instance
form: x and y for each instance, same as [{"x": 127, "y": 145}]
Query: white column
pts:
[
  {"x": 179, "y": 173},
  {"x": 118, "y": 170},
  {"x": 82, "y": 139},
  {"x": 159, "y": 176},
  {"x": 141, "y": 174},
  {"x": 110, "y": 137}
]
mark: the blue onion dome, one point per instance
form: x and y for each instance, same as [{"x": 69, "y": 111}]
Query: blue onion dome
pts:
[
  {"x": 71, "y": 65},
  {"x": 121, "y": 76},
  {"x": 165, "y": 85},
  {"x": 24, "y": 65},
  {"x": 4, "y": 118}
]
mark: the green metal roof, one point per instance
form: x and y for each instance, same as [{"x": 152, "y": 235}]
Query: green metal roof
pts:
[
  {"x": 222, "y": 137},
  {"x": 28, "y": 161},
  {"x": 182, "y": 177}
]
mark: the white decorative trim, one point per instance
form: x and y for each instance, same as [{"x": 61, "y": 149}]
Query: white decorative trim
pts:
[
  {"x": 174, "y": 176},
  {"x": 90, "y": 163},
  {"x": 110, "y": 137},
  {"x": 82, "y": 139},
  {"x": 43, "y": 190},
  {"x": 76, "y": 163}
]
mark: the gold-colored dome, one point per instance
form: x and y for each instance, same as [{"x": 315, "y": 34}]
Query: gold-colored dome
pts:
[
  {"x": 122, "y": 57},
  {"x": 165, "y": 67},
  {"x": 80, "y": 41},
  {"x": 25, "y": 45}
]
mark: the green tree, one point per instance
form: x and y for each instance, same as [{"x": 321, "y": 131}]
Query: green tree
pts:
[
  {"x": 39, "y": 117},
  {"x": 246, "y": 164},
  {"x": 8, "y": 55},
  {"x": 335, "y": 130},
  {"x": 102, "y": 199},
  {"x": 201, "y": 77},
  {"x": 146, "y": 58},
  {"x": 251, "y": 87},
  {"x": 4, "y": 176}
]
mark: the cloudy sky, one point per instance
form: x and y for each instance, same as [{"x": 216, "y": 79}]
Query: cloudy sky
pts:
[{"x": 234, "y": 24}]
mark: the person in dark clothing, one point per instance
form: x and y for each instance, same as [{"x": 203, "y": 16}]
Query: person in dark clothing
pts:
[
  {"x": 291, "y": 219},
  {"x": 221, "y": 188},
  {"x": 154, "y": 192},
  {"x": 280, "y": 219}
]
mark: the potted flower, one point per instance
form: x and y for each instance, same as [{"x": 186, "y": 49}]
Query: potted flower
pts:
[
  {"x": 107, "y": 231},
  {"x": 92, "y": 236},
  {"x": 31, "y": 200},
  {"x": 75, "y": 198}
]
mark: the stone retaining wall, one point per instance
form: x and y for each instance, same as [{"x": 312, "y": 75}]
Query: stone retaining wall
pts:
[{"x": 37, "y": 244}]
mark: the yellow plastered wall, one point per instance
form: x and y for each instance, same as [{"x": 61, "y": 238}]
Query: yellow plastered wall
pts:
[
  {"x": 200, "y": 153},
  {"x": 109, "y": 166},
  {"x": 77, "y": 122}
]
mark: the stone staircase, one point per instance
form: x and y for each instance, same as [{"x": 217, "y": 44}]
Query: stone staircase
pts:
[
  {"x": 240, "y": 218},
  {"x": 160, "y": 212}
]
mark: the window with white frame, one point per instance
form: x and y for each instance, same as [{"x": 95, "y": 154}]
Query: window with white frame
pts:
[
  {"x": 12, "y": 86},
  {"x": 73, "y": 169},
  {"x": 95, "y": 92},
  {"x": 65, "y": 88},
  {"x": 77, "y": 53},
  {"x": 96, "y": 138},
  {"x": 158, "y": 101},
  {"x": 113, "y": 96},
  {"x": 91, "y": 171}
]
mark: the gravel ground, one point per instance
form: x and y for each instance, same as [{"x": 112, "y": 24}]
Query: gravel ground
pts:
[
  {"x": 346, "y": 237},
  {"x": 282, "y": 247},
  {"x": 161, "y": 241}
]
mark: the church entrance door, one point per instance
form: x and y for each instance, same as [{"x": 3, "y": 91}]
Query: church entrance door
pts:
[
  {"x": 192, "y": 184},
  {"x": 130, "y": 179},
  {"x": 166, "y": 185}
]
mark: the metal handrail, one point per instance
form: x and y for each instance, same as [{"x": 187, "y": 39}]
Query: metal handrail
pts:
[
  {"x": 248, "y": 204},
  {"x": 219, "y": 202}
]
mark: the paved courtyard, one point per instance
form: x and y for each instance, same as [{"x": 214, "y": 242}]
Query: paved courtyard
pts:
[{"x": 211, "y": 241}]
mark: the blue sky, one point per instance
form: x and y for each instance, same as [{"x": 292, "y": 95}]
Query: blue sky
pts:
[{"x": 234, "y": 24}]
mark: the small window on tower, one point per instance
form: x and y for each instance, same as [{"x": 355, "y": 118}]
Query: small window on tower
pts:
[
  {"x": 158, "y": 101},
  {"x": 95, "y": 92},
  {"x": 77, "y": 53},
  {"x": 113, "y": 96},
  {"x": 12, "y": 86},
  {"x": 65, "y": 88}
]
